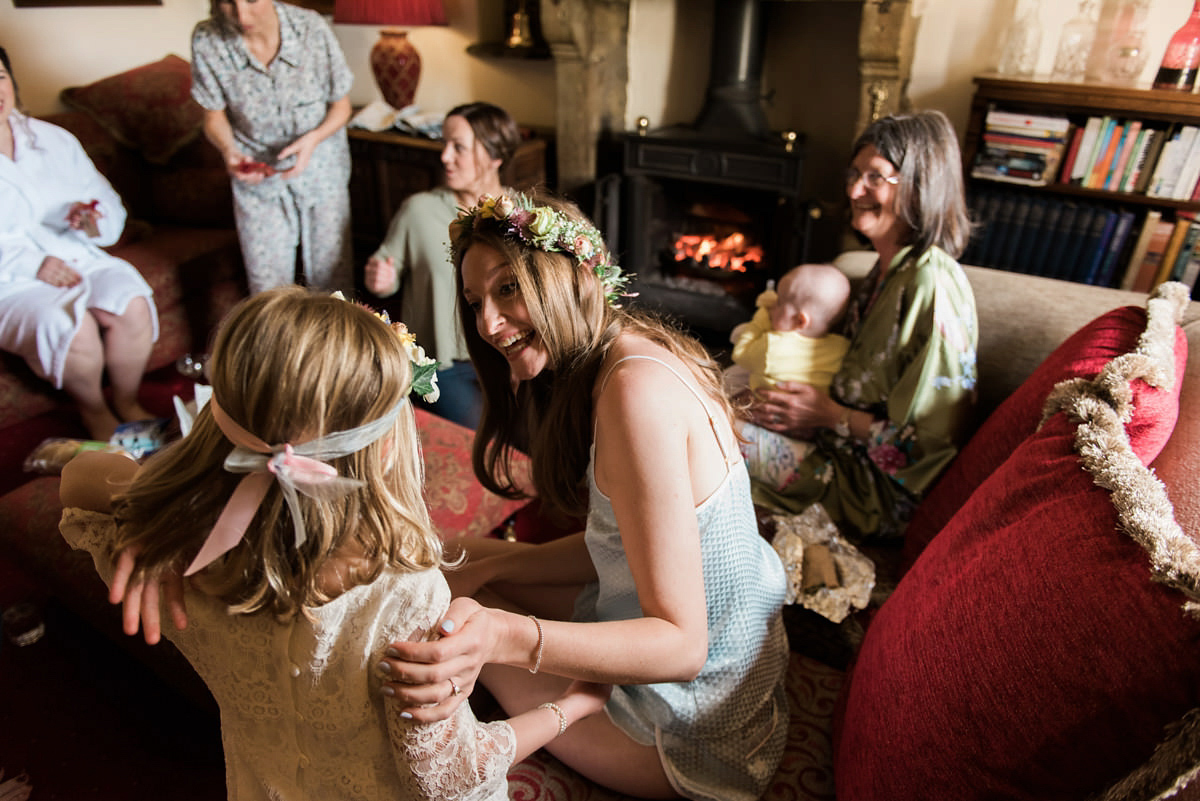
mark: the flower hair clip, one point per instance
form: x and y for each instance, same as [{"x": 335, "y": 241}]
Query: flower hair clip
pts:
[
  {"x": 546, "y": 229},
  {"x": 424, "y": 368}
]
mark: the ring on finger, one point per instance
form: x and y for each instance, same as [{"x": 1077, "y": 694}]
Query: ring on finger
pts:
[{"x": 454, "y": 688}]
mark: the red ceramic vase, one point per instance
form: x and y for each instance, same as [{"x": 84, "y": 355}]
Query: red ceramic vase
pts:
[{"x": 397, "y": 67}]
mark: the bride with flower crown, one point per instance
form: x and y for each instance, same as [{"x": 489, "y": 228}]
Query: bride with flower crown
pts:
[{"x": 670, "y": 594}]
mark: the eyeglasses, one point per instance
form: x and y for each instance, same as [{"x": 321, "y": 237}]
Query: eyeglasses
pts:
[{"x": 872, "y": 180}]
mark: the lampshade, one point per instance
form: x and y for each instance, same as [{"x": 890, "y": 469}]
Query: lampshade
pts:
[{"x": 389, "y": 12}]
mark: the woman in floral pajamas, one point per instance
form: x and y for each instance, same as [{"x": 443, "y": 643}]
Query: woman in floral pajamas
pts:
[
  {"x": 274, "y": 85},
  {"x": 900, "y": 405}
]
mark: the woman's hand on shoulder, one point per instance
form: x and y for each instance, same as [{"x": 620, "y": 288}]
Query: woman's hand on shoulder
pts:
[{"x": 434, "y": 673}]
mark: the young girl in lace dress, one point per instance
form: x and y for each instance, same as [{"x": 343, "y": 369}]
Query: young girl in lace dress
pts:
[{"x": 295, "y": 505}]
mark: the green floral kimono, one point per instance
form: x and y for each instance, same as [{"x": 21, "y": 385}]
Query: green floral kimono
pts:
[{"x": 911, "y": 364}]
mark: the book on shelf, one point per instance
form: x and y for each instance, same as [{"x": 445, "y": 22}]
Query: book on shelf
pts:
[
  {"x": 1058, "y": 240},
  {"x": 1137, "y": 158},
  {"x": 1065, "y": 267},
  {"x": 998, "y": 226},
  {"x": 1128, "y": 140},
  {"x": 1191, "y": 270},
  {"x": 1110, "y": 139},
  {"x": 1117, "y": 244},
  {"x": 1170, "y": 162},
  {"x": 1154, "y": 150},
  {"x": 1179, "y": 232},
  {"x": 1034, "y": 125},
  {"x": 1140, "y": 246},
  {"x": 1189, "y": 172},
  {"x": 1087, "y": 148},
  {"x": 1068, "y": 165},
  {"x": 1156, "y": 248},
  {"x": 1094, "y": 246},
  {"x": 1032, "y": 234},
  {"x": 1186, "y": 251},
  {"x": 1006, "y": 258},
  {"x": 1045, "y": 238},
  {"x": 1031, "y": 167}
]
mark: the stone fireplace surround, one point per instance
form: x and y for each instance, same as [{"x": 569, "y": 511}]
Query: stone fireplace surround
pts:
[{"x": 589, "y": 41}]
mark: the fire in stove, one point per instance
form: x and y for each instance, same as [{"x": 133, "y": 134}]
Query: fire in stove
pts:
[
  {"x": 732, "y": 253},
  {"x": 716, "y": 243}
]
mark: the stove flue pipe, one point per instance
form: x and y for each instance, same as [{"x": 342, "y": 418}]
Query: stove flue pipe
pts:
[{"x": 733, "y": 105}]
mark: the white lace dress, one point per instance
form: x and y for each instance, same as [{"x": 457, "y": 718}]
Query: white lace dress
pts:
[{"x": 302, "y": 715}]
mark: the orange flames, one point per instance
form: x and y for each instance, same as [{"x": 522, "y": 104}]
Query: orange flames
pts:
[{"x": 729, "y": 253}]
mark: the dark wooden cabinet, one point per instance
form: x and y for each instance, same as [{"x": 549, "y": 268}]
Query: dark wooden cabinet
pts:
[{"x": 387, "y": 167}]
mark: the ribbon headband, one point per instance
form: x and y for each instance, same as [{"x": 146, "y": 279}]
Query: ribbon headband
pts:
[{"x": 298, "y": 468}]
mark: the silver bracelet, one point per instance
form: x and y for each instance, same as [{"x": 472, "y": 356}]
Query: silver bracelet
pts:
[
  {"x": 556, "y": 709},
  {"x": 537, "y": 662}
]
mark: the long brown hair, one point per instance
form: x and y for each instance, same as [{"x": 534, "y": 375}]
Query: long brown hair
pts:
[
  {"x": 550, "y": 416},
  {"x": 290, "y": 366}
]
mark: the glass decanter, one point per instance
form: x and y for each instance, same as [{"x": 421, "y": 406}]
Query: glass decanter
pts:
[
  {"x": 1075, "y": 43},
  {"x": 1024, "y": 41}
]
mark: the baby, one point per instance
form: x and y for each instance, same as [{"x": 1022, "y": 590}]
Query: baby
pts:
[{"x": 790, "y": 336}]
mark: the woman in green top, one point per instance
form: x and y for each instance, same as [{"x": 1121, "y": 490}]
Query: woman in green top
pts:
[{"x": 900, "y": 405}]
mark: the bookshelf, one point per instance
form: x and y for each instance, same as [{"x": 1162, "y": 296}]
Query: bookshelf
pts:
[{"x": 1126, "y": 212}]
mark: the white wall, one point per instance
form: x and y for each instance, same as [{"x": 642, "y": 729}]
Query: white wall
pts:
[
  {"x": 57, "y": 47},
  {"x": 957, "y": 40},
  {"x": 52, "y": 48}
]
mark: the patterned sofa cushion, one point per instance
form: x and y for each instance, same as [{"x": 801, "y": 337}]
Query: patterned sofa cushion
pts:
[{"x": 149, "y": 108}]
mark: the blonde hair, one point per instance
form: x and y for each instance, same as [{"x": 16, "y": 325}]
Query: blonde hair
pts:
[
  {"x": 550, "y": 416},
  {"x": 290, "y": 366}
]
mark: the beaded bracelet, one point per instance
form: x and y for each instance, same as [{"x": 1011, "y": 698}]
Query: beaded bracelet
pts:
[
  {"x": 537, "y": 663},
  {"x": 556, "y": 709}
]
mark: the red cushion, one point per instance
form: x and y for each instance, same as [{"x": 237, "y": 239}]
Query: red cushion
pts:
[
  {"x": 458, "y": 503},
  {"x": 149, "y": 108},
  {"x": 1027, "y": 654},
  {"x": 1081, "y": 355}
]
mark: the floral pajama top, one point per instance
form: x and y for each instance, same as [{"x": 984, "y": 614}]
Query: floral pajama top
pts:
[
  {"x": 913, "y": 333},
  {"x": 269, "y": 107}
]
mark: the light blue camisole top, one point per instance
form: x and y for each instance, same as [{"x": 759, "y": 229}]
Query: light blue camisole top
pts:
[{"x": 721, "y": 735}]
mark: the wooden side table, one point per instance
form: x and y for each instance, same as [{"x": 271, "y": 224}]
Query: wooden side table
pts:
[{"x": 388, "y": 166}]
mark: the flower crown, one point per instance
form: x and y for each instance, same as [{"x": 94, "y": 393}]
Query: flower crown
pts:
[
  {"x": 545, "y": 229},
  {"x": 424, "y": 368}
]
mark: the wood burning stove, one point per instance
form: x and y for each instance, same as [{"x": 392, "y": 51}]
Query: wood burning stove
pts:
[{"x": 711, "y": 212}]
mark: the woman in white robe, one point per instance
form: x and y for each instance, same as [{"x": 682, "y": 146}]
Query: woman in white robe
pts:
[{"x": 67, "y": 307}]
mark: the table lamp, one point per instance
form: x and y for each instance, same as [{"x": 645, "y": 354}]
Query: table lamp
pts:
[{"x": 394, "y": 61}]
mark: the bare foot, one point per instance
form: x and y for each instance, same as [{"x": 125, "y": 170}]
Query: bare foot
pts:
[
  {"x": 133, "y": 412},
  {"x": 100, "y": 423}
]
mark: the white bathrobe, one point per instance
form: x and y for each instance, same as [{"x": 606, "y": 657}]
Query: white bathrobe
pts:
[{"x": 49, "y": 172}]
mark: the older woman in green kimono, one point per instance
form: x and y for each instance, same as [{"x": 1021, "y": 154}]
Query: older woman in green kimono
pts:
[{"x": 900, "y": 405}]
